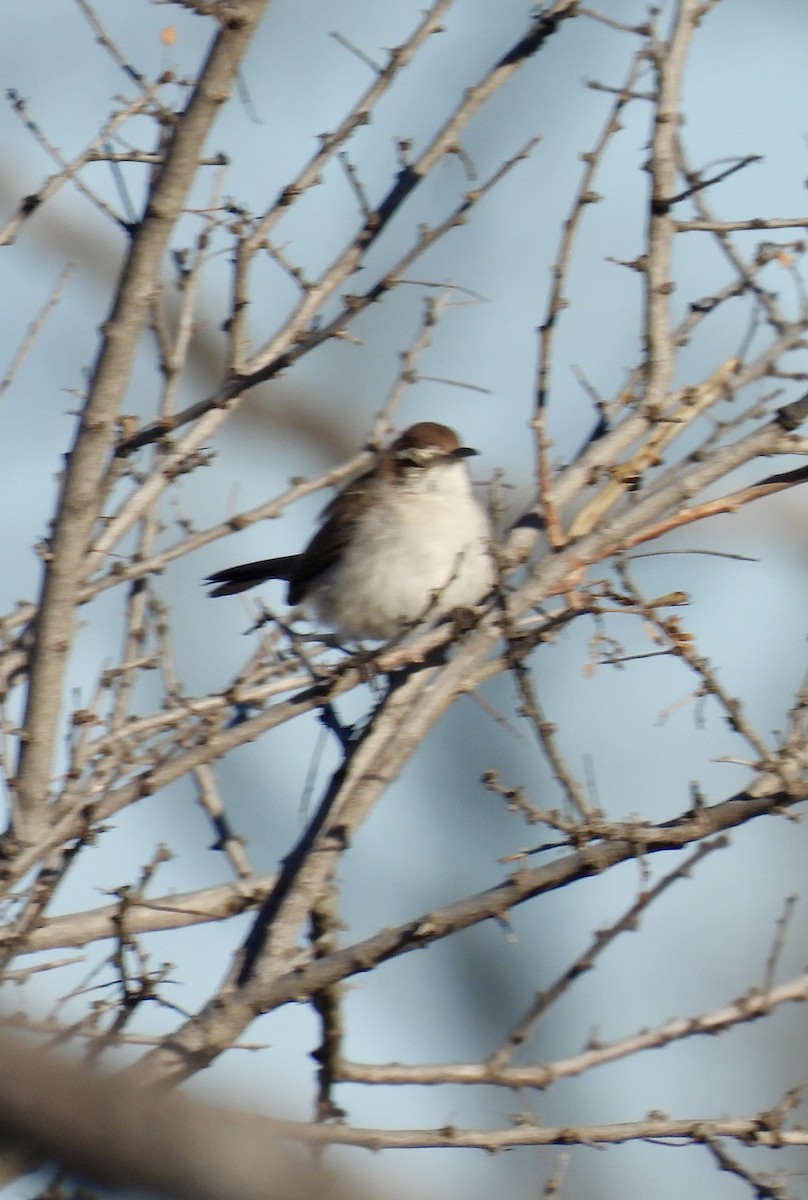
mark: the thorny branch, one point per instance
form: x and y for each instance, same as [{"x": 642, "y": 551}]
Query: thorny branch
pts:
[{"x": 657, "y": 446}]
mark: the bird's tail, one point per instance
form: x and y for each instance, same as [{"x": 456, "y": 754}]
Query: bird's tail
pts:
[{"x": 247, "y": 575}]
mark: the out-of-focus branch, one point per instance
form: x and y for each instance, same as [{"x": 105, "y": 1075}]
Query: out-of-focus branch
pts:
[{"x": 116, "y": 1134}]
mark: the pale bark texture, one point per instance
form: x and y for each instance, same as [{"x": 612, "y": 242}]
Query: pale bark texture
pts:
[{"x": 265, "y": 238}]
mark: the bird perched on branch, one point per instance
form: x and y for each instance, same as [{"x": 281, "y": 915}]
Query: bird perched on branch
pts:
[{"x": 405, "y": 542}]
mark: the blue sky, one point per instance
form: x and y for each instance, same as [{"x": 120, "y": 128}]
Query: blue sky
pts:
[{"x": 438, "y": 834}]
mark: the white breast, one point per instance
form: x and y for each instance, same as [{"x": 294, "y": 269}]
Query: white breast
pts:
[{"x": 422, "y": 550}]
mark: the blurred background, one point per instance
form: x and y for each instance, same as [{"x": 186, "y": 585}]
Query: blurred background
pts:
[{"x": 439, "y": 833}]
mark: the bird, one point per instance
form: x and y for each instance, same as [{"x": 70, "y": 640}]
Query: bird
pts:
[{"x": 404, "y": 543}]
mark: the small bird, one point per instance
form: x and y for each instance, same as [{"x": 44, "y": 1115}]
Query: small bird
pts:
[{"x": 403, "y": 543}]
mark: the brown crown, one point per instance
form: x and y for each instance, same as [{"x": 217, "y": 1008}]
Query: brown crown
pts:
[{"x": 426, "y": 435}]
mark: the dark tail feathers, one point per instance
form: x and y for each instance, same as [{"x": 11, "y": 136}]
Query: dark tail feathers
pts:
[{"x": 247, "y": 575}]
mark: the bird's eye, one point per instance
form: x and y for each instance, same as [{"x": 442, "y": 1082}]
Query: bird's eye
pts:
[{"x": 414, "y": 456}]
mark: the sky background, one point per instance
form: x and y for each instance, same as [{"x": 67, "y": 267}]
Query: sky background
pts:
[{"x": 438, "y": 834}]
